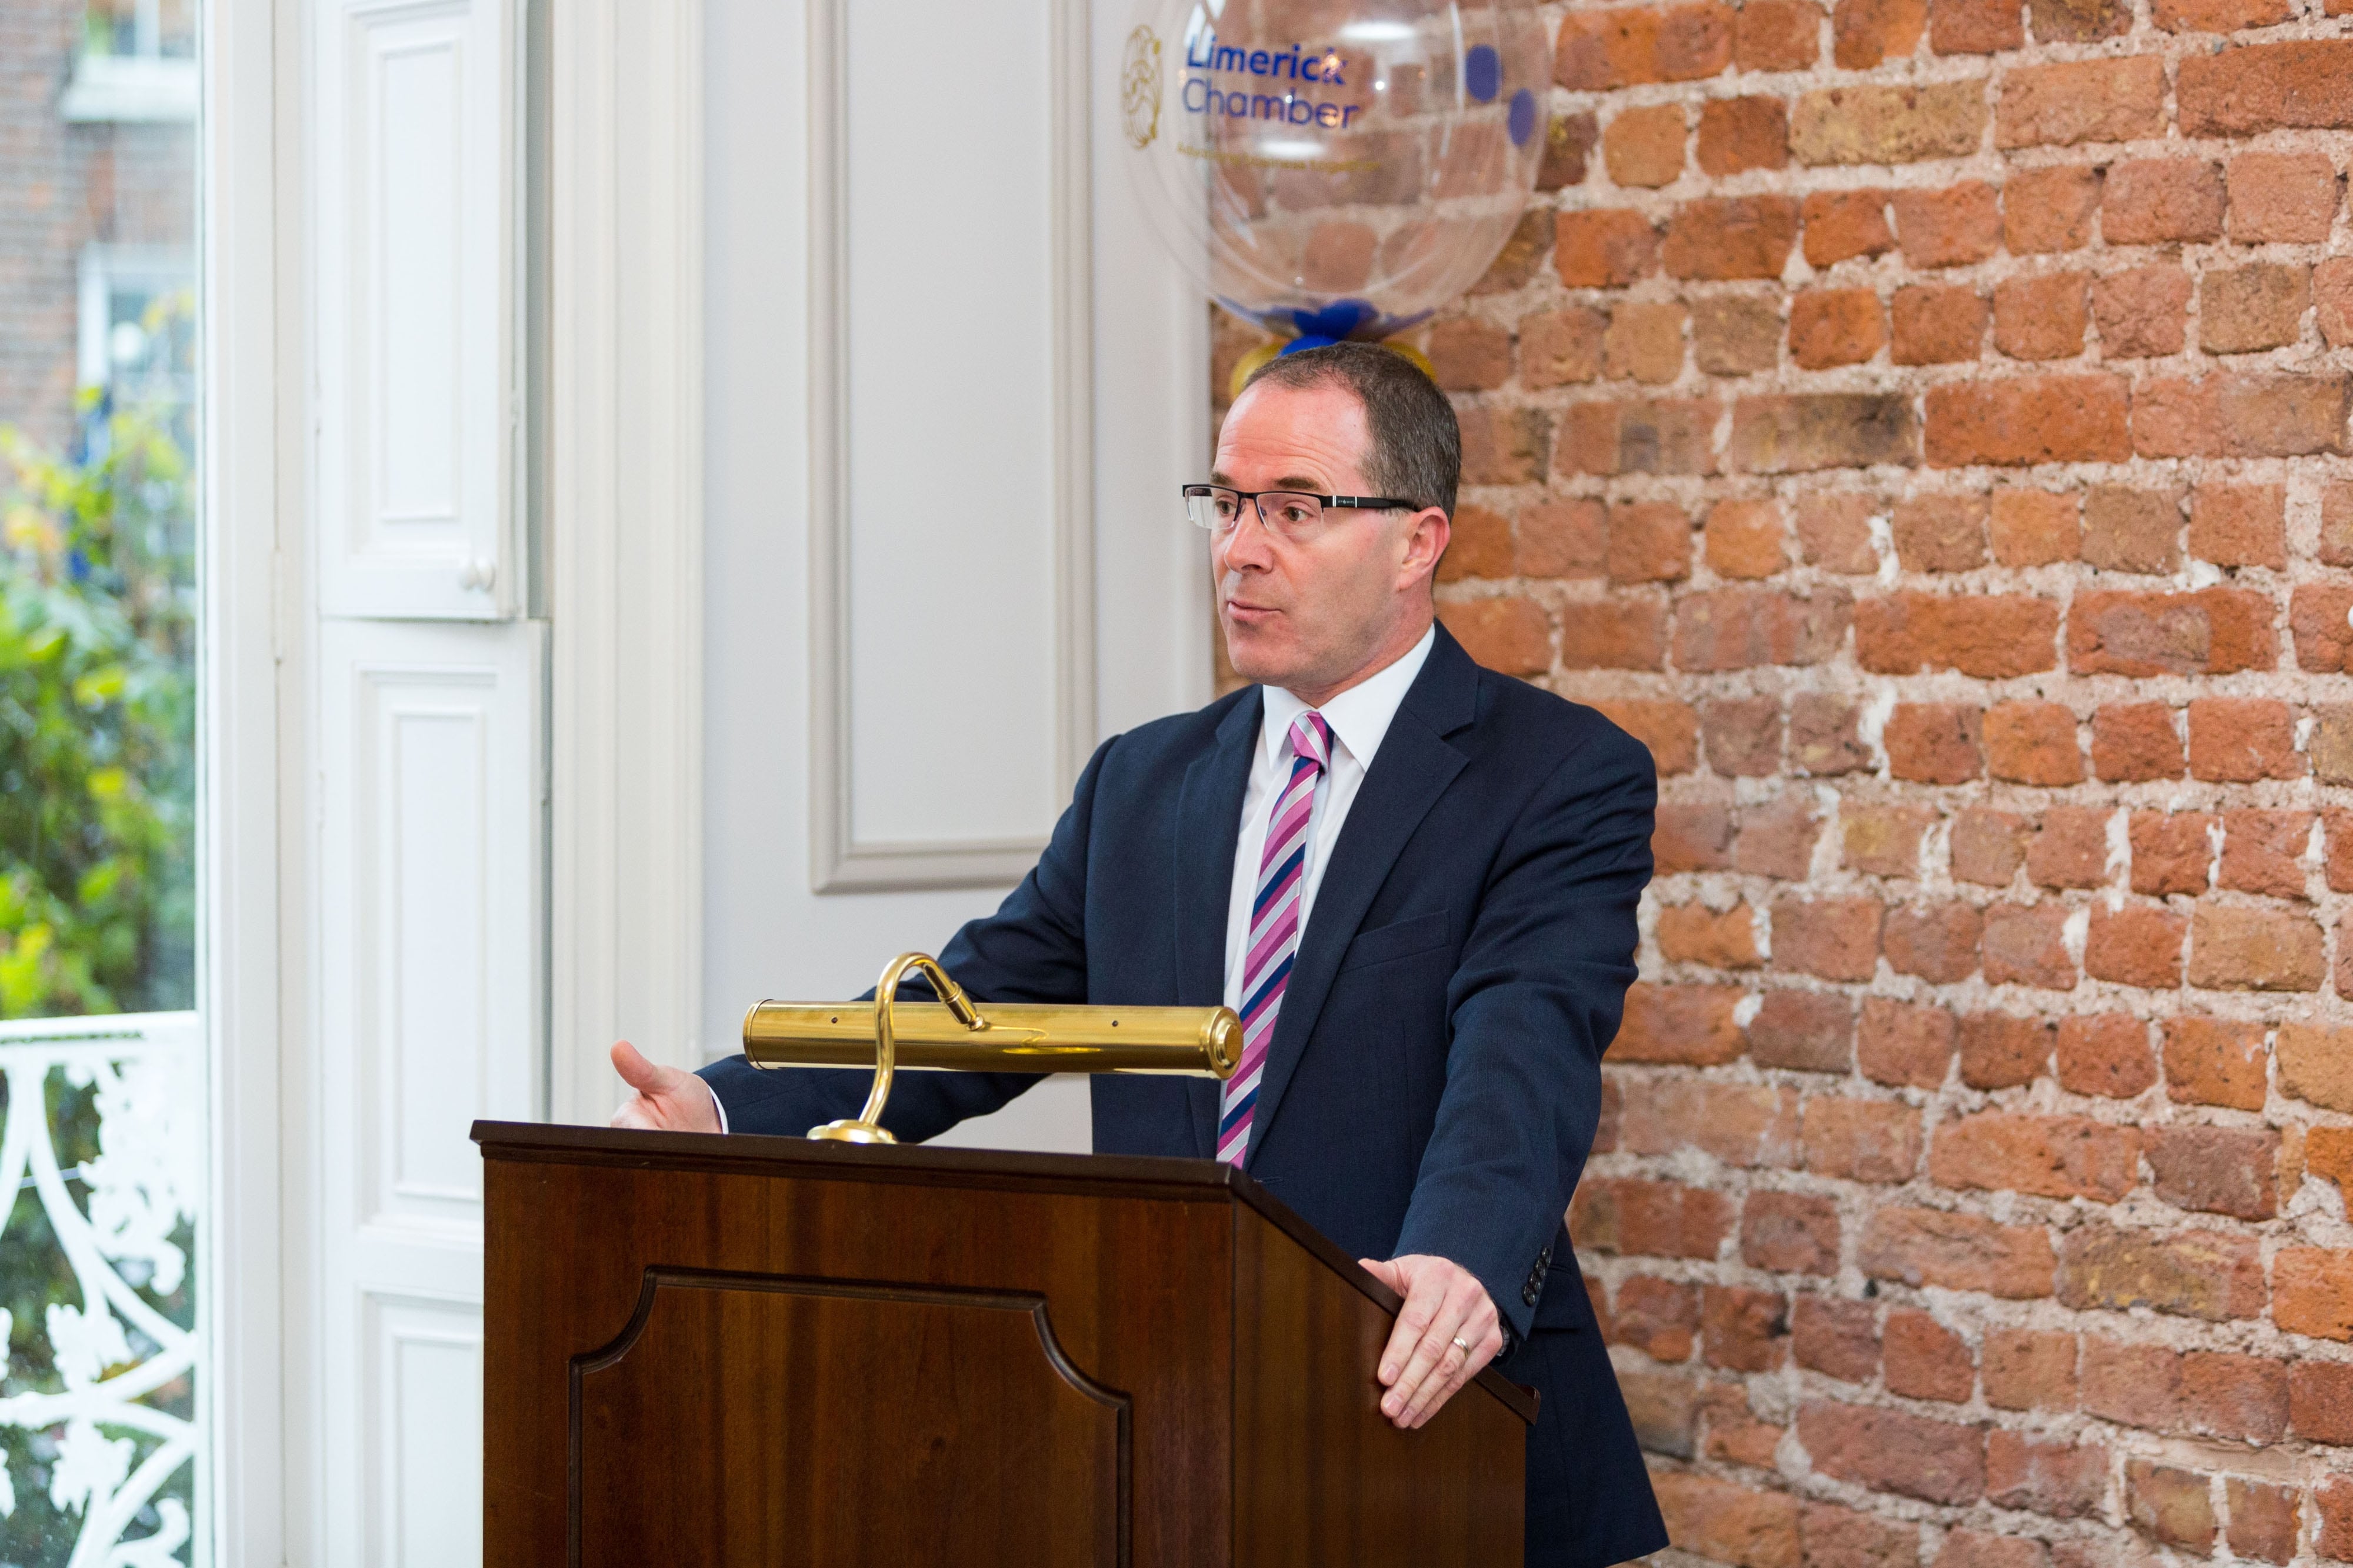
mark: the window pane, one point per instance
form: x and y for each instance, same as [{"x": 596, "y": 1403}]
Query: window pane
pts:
[{"x": 101, "y": 1060}]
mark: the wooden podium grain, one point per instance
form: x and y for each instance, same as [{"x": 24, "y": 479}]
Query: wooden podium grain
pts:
[{"x": 762, "y": 1351}]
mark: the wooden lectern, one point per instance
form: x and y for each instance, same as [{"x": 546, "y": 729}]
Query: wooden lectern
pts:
[{"x": 766, "y": 1351}]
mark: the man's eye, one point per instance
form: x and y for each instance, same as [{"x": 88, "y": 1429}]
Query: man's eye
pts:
[
  {"x": 1227, "y": 510},
  {"x": 1296, "y": 514}
]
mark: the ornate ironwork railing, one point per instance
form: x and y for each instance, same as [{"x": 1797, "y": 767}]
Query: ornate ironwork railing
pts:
[{"x": 102, "y": 1153}]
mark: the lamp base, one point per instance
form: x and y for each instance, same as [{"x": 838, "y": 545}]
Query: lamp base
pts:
[{"x": 852, "y": 1130}]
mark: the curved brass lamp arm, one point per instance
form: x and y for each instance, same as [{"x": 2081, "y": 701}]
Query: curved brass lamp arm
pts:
[{"x": 866, "y": 1127}]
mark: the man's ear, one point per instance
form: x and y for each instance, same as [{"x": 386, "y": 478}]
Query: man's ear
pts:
[{"x": 1427, "y": 536}]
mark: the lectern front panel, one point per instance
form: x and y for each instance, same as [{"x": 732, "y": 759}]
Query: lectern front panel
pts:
[
  {"x": 873, "y": 1423},
  {"x": 705, "y": 1353}
]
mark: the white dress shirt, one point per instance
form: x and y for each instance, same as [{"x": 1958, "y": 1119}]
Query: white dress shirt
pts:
[{"x": 1359, "y": 717}]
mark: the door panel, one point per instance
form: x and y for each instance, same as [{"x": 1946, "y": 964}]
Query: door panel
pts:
[
  {"x": 414, "y": 197},
  {"x": 430, "y": 873}
]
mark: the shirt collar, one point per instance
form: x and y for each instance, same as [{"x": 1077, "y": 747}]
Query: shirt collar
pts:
[{"x": 1359, "y": 716}]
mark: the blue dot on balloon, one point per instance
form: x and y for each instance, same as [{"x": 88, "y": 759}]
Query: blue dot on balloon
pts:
[
  {"x": 1523, "y": 119},
  {"x": 1483, "y": 73}
]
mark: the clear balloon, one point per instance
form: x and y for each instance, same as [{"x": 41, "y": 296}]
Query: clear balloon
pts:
[{"x": 1333, "y": 170}]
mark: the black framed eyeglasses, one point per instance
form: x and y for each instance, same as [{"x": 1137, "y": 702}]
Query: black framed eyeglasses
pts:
[{"x": 1289, "y": 514}]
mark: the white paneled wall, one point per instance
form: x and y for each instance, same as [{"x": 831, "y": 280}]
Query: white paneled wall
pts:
[
  {"x": 430, "y": 745},
  {"x": 951, "y": 588}
]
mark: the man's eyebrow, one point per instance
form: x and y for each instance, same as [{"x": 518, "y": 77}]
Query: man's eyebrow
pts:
[{"x": 1288, "y": 482}]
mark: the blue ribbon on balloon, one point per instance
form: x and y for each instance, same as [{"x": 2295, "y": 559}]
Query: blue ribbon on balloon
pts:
[
  {"x": 1342, "y": 321},
  {"x": 1332, "y": 323}
]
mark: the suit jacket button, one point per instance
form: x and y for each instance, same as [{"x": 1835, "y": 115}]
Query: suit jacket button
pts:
[{"x": 1534, "y": 1288}]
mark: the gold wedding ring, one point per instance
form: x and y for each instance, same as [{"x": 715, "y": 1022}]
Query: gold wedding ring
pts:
[{"x": 1463, "y": 1344}]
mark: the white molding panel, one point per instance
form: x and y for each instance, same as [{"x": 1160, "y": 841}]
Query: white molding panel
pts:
[
  {"x": 624, "y": 539},
  {"x": 424, "y": 1496},
  {"x": 252, "y": 434},
  {"x": 415, "y": 201},
  {"x": 431, "y": 867},
  {"x": 431, "y": 878},
  {"x": 951, "y": 465}
]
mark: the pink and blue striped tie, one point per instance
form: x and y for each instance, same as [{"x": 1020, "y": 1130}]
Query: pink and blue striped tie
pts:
[{"x": 1274, "y": 926}]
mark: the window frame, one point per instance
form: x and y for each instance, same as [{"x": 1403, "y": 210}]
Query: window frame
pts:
[{"x": 249, "y": 731}]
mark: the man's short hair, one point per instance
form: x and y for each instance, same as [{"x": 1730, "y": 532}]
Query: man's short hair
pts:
[{"x": 1417, "y": 447}]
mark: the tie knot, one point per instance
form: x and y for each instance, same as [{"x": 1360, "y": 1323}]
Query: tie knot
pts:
[{"x": 1311, "y": 739}]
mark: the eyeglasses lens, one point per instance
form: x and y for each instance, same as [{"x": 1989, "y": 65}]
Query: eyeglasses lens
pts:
[
  {"x": 1212, "y": 508},
  {"x": 1283, "y": 512}
]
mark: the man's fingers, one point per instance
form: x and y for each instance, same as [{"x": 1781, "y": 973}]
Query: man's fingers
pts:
[
  {"x": 1485, "y": 1339},
  {"x": 1482, "y": 1352},
  {"x": 1453, "y": 1339},
  {"x": 1430, "y": 1327},
  {"x": 1448, "y": 1378},
  {"x": 1388, "y": 1273},
  {"x": 666, "y": 1099},
  {"x": 1420, "y": 1302},
  {"x": 645, "y": 1077}
]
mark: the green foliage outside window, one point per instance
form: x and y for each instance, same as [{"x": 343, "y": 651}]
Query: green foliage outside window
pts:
[{"x": 98, "y": 721}]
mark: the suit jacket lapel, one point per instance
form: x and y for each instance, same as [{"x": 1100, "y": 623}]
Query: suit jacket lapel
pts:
[
  {"x": 1409, "y": 771},
  {"x": 1208, "y": 822}
]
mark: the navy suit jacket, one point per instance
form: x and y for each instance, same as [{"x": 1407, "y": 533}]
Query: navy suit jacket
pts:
[{"x": 1435, "y": 1075}]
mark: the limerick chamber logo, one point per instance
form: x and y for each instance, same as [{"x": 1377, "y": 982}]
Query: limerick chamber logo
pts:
[{"x": 1139, "y": 87}]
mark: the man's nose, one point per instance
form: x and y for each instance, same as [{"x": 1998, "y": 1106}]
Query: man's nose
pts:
[{"x": 1248, "y": 545}]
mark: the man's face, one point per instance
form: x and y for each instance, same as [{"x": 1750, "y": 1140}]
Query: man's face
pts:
[{"x": 1310, "y": 614}]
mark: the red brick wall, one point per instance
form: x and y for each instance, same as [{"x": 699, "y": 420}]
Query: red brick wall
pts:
[
  {"x": 63, "y": 186},
  {"x": 1924, "y": 422}
]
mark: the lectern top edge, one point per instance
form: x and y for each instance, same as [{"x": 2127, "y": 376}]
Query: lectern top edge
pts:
[
  {"x": 1202, "y": 1180},
  {"x": 1137, "y": 1176}
]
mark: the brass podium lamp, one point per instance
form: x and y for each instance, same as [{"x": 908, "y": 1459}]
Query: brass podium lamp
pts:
[{"x": 952, "y": 1035}]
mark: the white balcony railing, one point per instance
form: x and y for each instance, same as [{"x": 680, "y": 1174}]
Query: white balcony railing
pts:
[{"x": 103, "y": 1397}]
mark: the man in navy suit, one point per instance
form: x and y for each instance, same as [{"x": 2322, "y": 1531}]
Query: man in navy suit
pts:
[{"x": 1415, "y": 879}]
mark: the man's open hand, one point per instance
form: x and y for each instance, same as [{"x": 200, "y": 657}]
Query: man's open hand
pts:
[
  {"x": 1423, "y": 1365},
  {"x": 666, "y": 1100}
]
